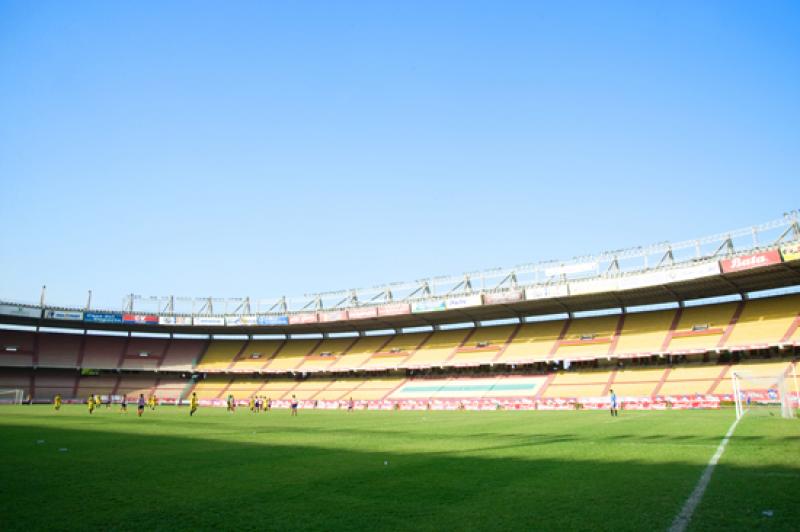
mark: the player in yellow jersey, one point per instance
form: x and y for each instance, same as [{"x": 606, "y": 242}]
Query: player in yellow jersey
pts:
[
  {"x": 193, "y": 404},
  {"x": 90, "y": 402},
  {"x": 252, "y": 404},
  {"x": 57, "y": 402}
]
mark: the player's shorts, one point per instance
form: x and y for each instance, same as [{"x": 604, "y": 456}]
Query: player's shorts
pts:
[{"x": 140, "y": 407}]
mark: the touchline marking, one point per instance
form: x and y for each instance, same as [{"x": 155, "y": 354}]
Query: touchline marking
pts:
[{"x": 682, "y": 519}]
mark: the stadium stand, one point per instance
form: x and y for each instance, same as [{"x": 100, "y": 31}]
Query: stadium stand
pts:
[
  {"x": 589, "y": 338},
  {"x": 644, "y": 333},
  {"x": 338, "y": 390},
  {"x": 99, "y": 385},
  {"x": 49, "y": 383},
  {"x": 17, "y": 348},
  {"x": 133, "y": 385},
  {"x": 326, "y": 354},
  {"x": 394, "y": 352},
  {"x": 103, "y": 352},
  {"x": 483, "y": 346},
  {"x": 357, "y": 356},
  {"x": 256, "y": 355},
  {"x": 664, "y": 353},
  {"x": 578, "y": 384},
  {"x": 374, "y": 389},
  {"x": 637, "y": 382},
  {"x": 309, "y": 389},
  {"x": 764, "y": 322},
  {"x": 60, "y": 350},
  {"x": 534, "y": 342},
  {"x": 437, "y": 349},
  {"x": 183, "y": 354},
  {"x": 683, "y": 380},
  {"x": 144, "y": 353},
  {"x": 221, "y": 354},
  {"x": 703, "y": 328},
  {"x": 212, "y": 387},
  {"x": 292, "y": 355}
]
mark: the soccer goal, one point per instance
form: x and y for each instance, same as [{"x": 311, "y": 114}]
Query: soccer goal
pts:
[
  {"x": 761, "y": 390},
  {"x": 11, "y": 395}
]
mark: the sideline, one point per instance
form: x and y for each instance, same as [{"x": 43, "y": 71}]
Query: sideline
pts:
[{"x": 682, "y": 519}]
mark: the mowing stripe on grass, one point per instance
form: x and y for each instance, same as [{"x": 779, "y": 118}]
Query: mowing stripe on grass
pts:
[{"x": 682, "y": 519}]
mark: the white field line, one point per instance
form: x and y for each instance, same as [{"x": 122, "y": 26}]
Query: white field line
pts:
[{"x": 682, "y": 519}]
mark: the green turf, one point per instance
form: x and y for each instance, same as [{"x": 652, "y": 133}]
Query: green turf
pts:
[{"x": 390, "y": 470}]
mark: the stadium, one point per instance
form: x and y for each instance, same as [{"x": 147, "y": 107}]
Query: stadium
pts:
[
  {"x": 673, "y": 330},
  {"x": 399, "y": 266},
  {"x": 543, "y": 336}
]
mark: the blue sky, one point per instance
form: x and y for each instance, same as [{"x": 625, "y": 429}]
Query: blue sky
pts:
[{"x": 266, "y": 148}]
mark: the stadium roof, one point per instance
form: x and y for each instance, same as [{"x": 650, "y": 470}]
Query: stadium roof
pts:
[{"x": 758, "y": 258}]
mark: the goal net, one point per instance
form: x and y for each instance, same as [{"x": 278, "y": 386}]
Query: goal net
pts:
[
  {"x": 11, "y": 396},
  {"x": 751, "y": 391}
]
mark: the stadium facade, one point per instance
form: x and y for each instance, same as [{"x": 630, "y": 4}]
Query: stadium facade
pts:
[{"x": 548, "y": 335}]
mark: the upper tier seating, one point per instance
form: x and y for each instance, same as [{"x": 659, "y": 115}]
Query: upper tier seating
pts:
[{"x": 737, "y": 326}]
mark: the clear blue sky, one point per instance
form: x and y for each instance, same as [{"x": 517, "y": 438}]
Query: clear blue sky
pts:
[{"x": 268, "y": 148}]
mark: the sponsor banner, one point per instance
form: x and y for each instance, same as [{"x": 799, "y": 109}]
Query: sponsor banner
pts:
[
  {"x": 593, "y": 287},
  {"x": 273, "y": 320},
  {"x": 139, "y": 318},
  {"x": 791, "y": 251},
  {"x": 333, "y": 315},
  {"x": 394, "y": 309},
  {"x": 688, "y": 273},
  {"x": 208, "y": 320},
  {"x": 571, "y": 269},
  {"x": 240, "y": 321},
  {"x": 464, "y": 301},
  {"x": 502, "y": 297},
  {"x": 362, "y": 313},
  {"x": 174, "y": 320},
  {"x": 641, "y": 280},
  {"x": 306, "y": 317},
  {"x": 427, "y": 306},
  {"x": 19, "y": 310},
  {"x": 71, "y": 315},
  {"x": 547, "y": 291},
  {"x": 102, "y": 317},
  {"x": 747, "y": 262}
]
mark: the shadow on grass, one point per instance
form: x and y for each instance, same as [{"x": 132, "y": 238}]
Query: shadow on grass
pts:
[{"x": 123, "y": 481}]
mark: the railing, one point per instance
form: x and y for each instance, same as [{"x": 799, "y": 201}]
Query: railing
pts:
[{"x": 546, "y": 275}]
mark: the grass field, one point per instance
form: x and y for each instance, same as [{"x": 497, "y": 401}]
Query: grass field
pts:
[{"x": 391, "y": 470}]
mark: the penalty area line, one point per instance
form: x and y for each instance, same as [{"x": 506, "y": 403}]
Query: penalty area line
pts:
[{"x": 682, "y": 519}]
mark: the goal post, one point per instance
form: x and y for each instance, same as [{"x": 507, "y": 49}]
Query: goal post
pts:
[
  {"x": 11, "y": 396},
  {"x": 750, "y": 390}
]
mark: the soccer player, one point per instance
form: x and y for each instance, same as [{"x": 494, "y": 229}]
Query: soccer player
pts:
[
  {"x": 613, "y": 399},
  {"x": 90, "y": 402},
  {"x": 108, "y": 401},
  {"x": 350, "y": 405},
  {"x": 294, "y": 405},
  {"x": 193, "y": 404},
  {"x": 269, "y": 404},
  {"x": 123, "y": 405},
  {"x": 140, "y": 405},
  {"x": 231, "y": 403},
  {"x": 57, "y": 402}
]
